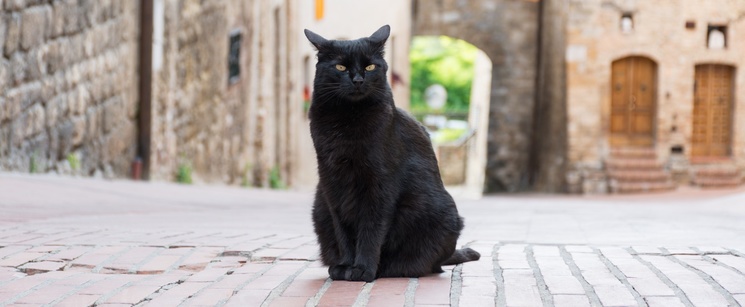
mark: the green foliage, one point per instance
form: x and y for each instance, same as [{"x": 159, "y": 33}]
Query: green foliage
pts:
[
  {"x": 447, "y": 135},
  {"x": 33, "y": 165},
  {"x": 74, "y": 162},
  {"x": 184, "y": 173},
  {"x": 443, "y": 60},
  {"x": 275, "y": 180}
]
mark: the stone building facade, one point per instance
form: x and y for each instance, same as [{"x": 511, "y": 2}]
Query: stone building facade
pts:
[
  {"x": 68, "y": 86},
  {"x": 71, "y": 101},
  {"x": 586, "y": 95},
  {"x": 225, "y": 128},
  {"x": 644, "y": 82}
]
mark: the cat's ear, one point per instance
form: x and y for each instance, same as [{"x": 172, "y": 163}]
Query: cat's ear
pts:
[
  {"x": 381, "y": 35},
  {"x": 318, "y": 41}
]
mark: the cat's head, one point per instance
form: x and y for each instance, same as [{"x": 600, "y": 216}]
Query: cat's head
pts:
[{"x": 350, "y": 69}]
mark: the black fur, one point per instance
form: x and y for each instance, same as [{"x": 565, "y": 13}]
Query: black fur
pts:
[{"x": 381, "y": 209}]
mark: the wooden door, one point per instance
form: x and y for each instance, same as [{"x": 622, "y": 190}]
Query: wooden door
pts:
[
  {"x": 633, "y": 102},
  {"x": 712, "y": 111}
]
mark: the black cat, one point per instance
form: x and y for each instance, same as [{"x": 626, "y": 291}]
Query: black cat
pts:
[{"x": 381, "y": 209}]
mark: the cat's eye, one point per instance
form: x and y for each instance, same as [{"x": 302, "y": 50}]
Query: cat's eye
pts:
[
  {"x": 370, "y": 67},
  {"x": 341, "y": 67}
]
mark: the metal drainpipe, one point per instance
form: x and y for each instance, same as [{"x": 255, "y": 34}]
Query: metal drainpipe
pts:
[
  {"x": 145, "y": 87},
  {"x": 534, "y": 159}
]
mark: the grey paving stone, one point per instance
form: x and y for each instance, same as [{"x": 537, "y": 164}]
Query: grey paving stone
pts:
[
  {"x": 651, "y": 286},
  {"x": 657, "y": 301},
  {"x": 729, "y": 280},
  {"x": 740, "y": 299},
  {"x": 579, "y": 249},
  {"x": 698, "y": 291},
  {"x": 737, "y": 263},
  {"x": 614, "y": 295},
  {"x": 521, "y": 288},
  {"x": 647, "y": 250},
  {"x": 571, "y": 301}
]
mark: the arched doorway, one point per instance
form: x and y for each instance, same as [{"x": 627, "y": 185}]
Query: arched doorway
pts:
[
  {"x": 459, "y": 127},
  {"x": 633, "y": 102},
  {"x": 712, "y": 111}
]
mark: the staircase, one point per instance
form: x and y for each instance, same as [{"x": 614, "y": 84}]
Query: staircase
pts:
[
  {"x": 636, "y": 170},
  {"x": 724, "y": 174}
]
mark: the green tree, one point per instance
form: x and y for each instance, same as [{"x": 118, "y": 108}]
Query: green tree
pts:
[{"x": 443, "y": 60}]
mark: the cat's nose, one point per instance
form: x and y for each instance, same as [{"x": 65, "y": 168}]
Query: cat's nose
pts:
[{"x": 358, "y": 80}]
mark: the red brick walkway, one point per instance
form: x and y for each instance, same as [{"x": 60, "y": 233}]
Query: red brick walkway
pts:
[{"x": 75, "y": 242}]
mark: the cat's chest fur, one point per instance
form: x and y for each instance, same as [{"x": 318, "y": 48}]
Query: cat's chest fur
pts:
[{"x": 355, "y": 148}]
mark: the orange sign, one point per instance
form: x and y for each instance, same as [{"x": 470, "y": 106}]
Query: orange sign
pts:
[{"x": 319, "y": 9}]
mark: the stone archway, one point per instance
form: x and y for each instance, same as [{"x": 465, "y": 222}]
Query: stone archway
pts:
[{"x": 507, "y": 32}]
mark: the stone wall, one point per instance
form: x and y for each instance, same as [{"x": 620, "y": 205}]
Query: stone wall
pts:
[
  {"x": 68, "y": 86},
  {"x": 230, "y": 132},
  {"x": 506, "y": 30}
]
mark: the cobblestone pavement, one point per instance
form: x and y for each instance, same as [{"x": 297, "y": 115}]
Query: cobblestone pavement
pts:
[{"x": 82, "y": 242}]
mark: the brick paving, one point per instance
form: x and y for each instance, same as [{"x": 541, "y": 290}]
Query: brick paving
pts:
[{"x": 81, "y": 242}]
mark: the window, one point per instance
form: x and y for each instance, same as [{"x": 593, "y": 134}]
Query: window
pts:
[
  {"x": 627, "y": 23},
  {"x": 234, "y": 57},
  {"x": 716, "y": 37}
]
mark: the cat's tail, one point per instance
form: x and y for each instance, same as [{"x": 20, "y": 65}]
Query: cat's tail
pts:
[{"x": 462, "y": 255}]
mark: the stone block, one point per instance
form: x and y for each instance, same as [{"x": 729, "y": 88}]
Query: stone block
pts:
[
  {"x": 129, "y": 96},
  {"x": 13, "y": 33},
  {"x": 3, "y": 113},
  {"x": 14, "y": 5},
  {"x": 48, "y": 88},
  {"x": 54, "y": 144},
  {"x": 3, "y": 25},
  {"x": 17, "y": 131},
  {"x": 17, "y": 69},
  {"x": 74, "y": 18},
  {"x": 11, "y": 105},
  {"x": 116, "y": 142},
  {"x": 16, "y": 100},
  {"x": 65, "y": 134},
  {"x": 4, "y": 141},
  {"x": 57, "y": 23},
  {"x": 93, "y": 121},
  {"x": 92, "y": 156},
  {"x": 79, "y": 100},
  {"x": 79, "y": 129},
  {"x": 35, "y": 67},
  {"x": 53, "y": 56},
  {"x": 34, "y": 120},
  {"x": 34, "y": 22},
  {"x": 57, "y": 109},
  {"x": 113, "y": 113},
  {"x": 4, "y": 75}
]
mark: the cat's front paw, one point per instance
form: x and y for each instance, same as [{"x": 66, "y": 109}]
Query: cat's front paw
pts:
[
  {"x": 360, "y": 273},
  {"x": 338, "y": 272}
]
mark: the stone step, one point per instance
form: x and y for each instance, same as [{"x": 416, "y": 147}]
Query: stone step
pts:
[
  {"x": 709, "y": 182},
  {"x": 624, "y": 164},
  {"x": 719, "y": 171},
  {"x": 641, "y": 187},
  {"x": 652, "y": 175},
  {"x": 633, "y": 152}
]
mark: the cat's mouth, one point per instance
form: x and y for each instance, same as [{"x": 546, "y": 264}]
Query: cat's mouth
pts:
[{"x": 357, "y": 94}]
